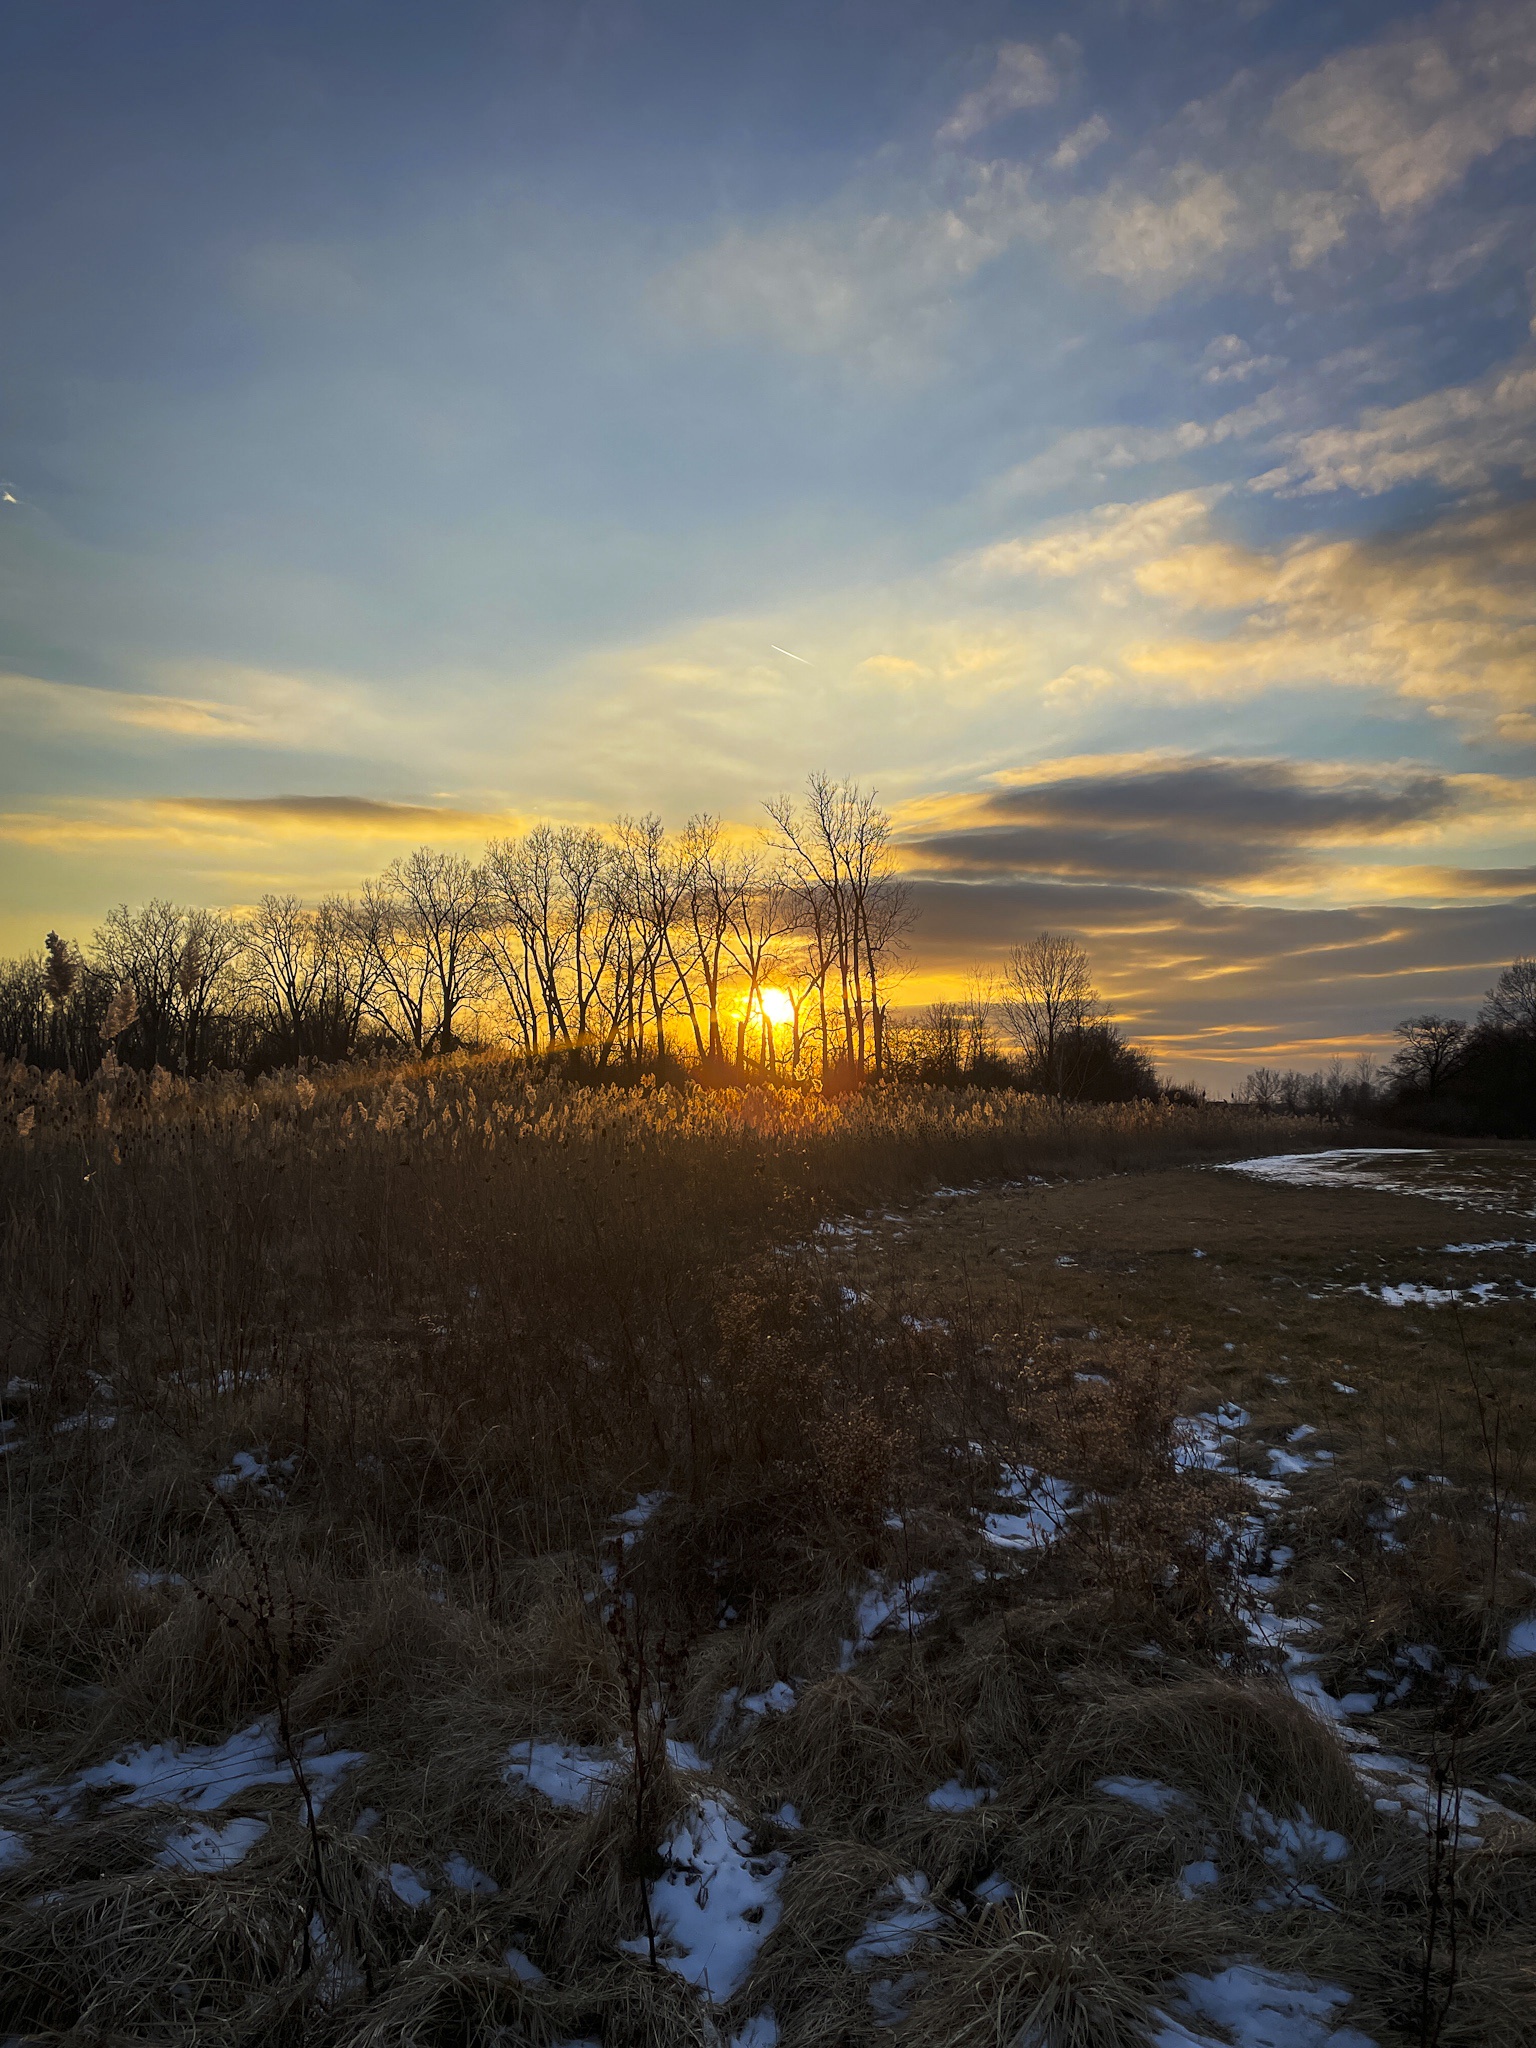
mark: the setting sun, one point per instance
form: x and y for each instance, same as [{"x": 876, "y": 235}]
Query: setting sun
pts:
[{"x": 776, "y": 1005}]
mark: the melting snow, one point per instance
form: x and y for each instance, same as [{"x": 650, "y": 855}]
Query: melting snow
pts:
[
  {"x": 1148, "y": 1793},
  {"x": 464, "y": 1877},
  {"x": 407, "y": 1886},
  {"x": 205, "y": 1848},
  {"x": 1043, "y": 1518},
  {"x": 522, "y": 1969},
  {"x": 202, "y": 1777},
  {"x": 566, "y": 1776},
  {"x": 1257, "y": 2009},
  {"x": 717, "y": 1904},
  {"x": 953, "y": 1797},
  {"x": 246, "y": 1468},
  {"x": 884, "y": 1603},
  {"x": 913, "y": 1917}
]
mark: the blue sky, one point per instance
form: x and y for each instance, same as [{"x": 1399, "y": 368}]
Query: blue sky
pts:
[{"x": 1127, "y": 413}]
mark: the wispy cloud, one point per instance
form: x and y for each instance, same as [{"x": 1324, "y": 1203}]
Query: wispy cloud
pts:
[
  {"x": 1023, "y": 76},
  {"x": 1460, "y": 437}
]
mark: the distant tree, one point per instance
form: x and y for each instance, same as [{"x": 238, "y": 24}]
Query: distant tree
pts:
[
  {"x": 1047, "y": 996},
  {"x": 1263, "y": 1089},
  {"x": 1429, "y": 1052},
  {"x": 1510, "y": 1004}
]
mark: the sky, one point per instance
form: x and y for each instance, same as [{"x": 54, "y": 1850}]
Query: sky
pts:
[{"x": 1107, "y": 430}]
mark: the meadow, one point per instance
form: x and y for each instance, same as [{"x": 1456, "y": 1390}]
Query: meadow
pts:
[{"x": 487, "y": 1561}]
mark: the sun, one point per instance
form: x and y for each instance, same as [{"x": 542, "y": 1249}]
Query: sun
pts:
[{"x": 777, "y": 1006}]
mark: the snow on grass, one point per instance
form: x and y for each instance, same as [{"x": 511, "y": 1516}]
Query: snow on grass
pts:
[
  {"x": 203, "y": 1777},
  {"x": 464, "y": 1877},
  {"x": 761, "y": 2031},
  {"x": 1150, "y": 1794},
  {"x": 953, "y": 1797},
  {"x": 1198, "y": 1877},
  {"x": 717, "y": 1903},
  {"x": 787, "y": 1816},
  {"x": 1292, "y": 1847},
  {"x": 204, "y": 1849},
  {"x": 994, "y": 1890},
  {"x": 522, "y": 1969},
  {"x": 913, "y": 1917},
  {"x": 407, "y": 1886},
  {"x": 1255, "y": 2008},
  {"x": 886, "y": 1603},
  {"x": 778, "y": 1698},
  {"x": 1521, "y": 1640},
  {"x": 13, "y": 1850},
  {"x": 250, "y": 1468},
  {"x": 564, "y": 1774},
  {"x": 1042, "y": 1518}
]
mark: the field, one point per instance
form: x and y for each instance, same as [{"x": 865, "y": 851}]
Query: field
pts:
[{"x": 484, "y": 1563}]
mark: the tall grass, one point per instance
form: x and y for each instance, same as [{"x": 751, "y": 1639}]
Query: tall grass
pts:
[{"x": 431, "y": 1328}]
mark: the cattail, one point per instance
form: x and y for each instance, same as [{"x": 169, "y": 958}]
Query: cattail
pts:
[
  {"x": 25, "y": 1119},
  {"x": 122, "y": 1012}
]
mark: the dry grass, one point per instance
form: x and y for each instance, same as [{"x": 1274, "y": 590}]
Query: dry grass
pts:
[{"x": 461, "y": 1320}]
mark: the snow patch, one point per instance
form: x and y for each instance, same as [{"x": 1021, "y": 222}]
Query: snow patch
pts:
[{"x": 717, "y": 1903}]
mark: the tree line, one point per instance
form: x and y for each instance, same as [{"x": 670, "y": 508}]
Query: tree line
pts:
[
  {"x": 620, "y": 946},
  {"x": 1476, "y": 1076}
]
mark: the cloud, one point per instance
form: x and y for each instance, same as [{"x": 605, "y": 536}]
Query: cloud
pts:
[
  {"x": 1459, "y": 437},
  {"x": 1083, "y": 140},
  {"x": 1224, "y": 986},
  {"x": 1187, "y": 821},
  {"x": 1096, "y": 452},
  {"x": 1160, "y": 241},
  {"x": 252, "y": 708},
  {"x": 1111, "y": 534},
  {"x": 1444, "y": 616},
  {"x": 349, "y": 814},
  {"x": 1022, "y": 77},
  {"x": 1408, "y": 116},
  {"x": 1229, "y": 360},
  {"x": 861, "y": 282}
]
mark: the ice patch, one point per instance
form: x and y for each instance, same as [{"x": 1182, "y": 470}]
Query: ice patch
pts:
[
  {"x": 717, "y": 1904},
  {"x": 204, "y": 1849}
]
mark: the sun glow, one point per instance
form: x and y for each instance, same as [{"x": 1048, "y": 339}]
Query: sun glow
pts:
[{"x": 776, "y": 1005}]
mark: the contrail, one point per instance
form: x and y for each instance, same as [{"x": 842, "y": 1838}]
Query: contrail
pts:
[{"x": 793, "y": 657}]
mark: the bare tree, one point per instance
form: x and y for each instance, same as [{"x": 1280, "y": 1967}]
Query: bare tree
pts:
[
  {"x": 1430, "y": 1050},
  {"x": 1048, "y": 996},
  {"x": 1510, "y": 1004},
  {"x": 837, "y": 853}
]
